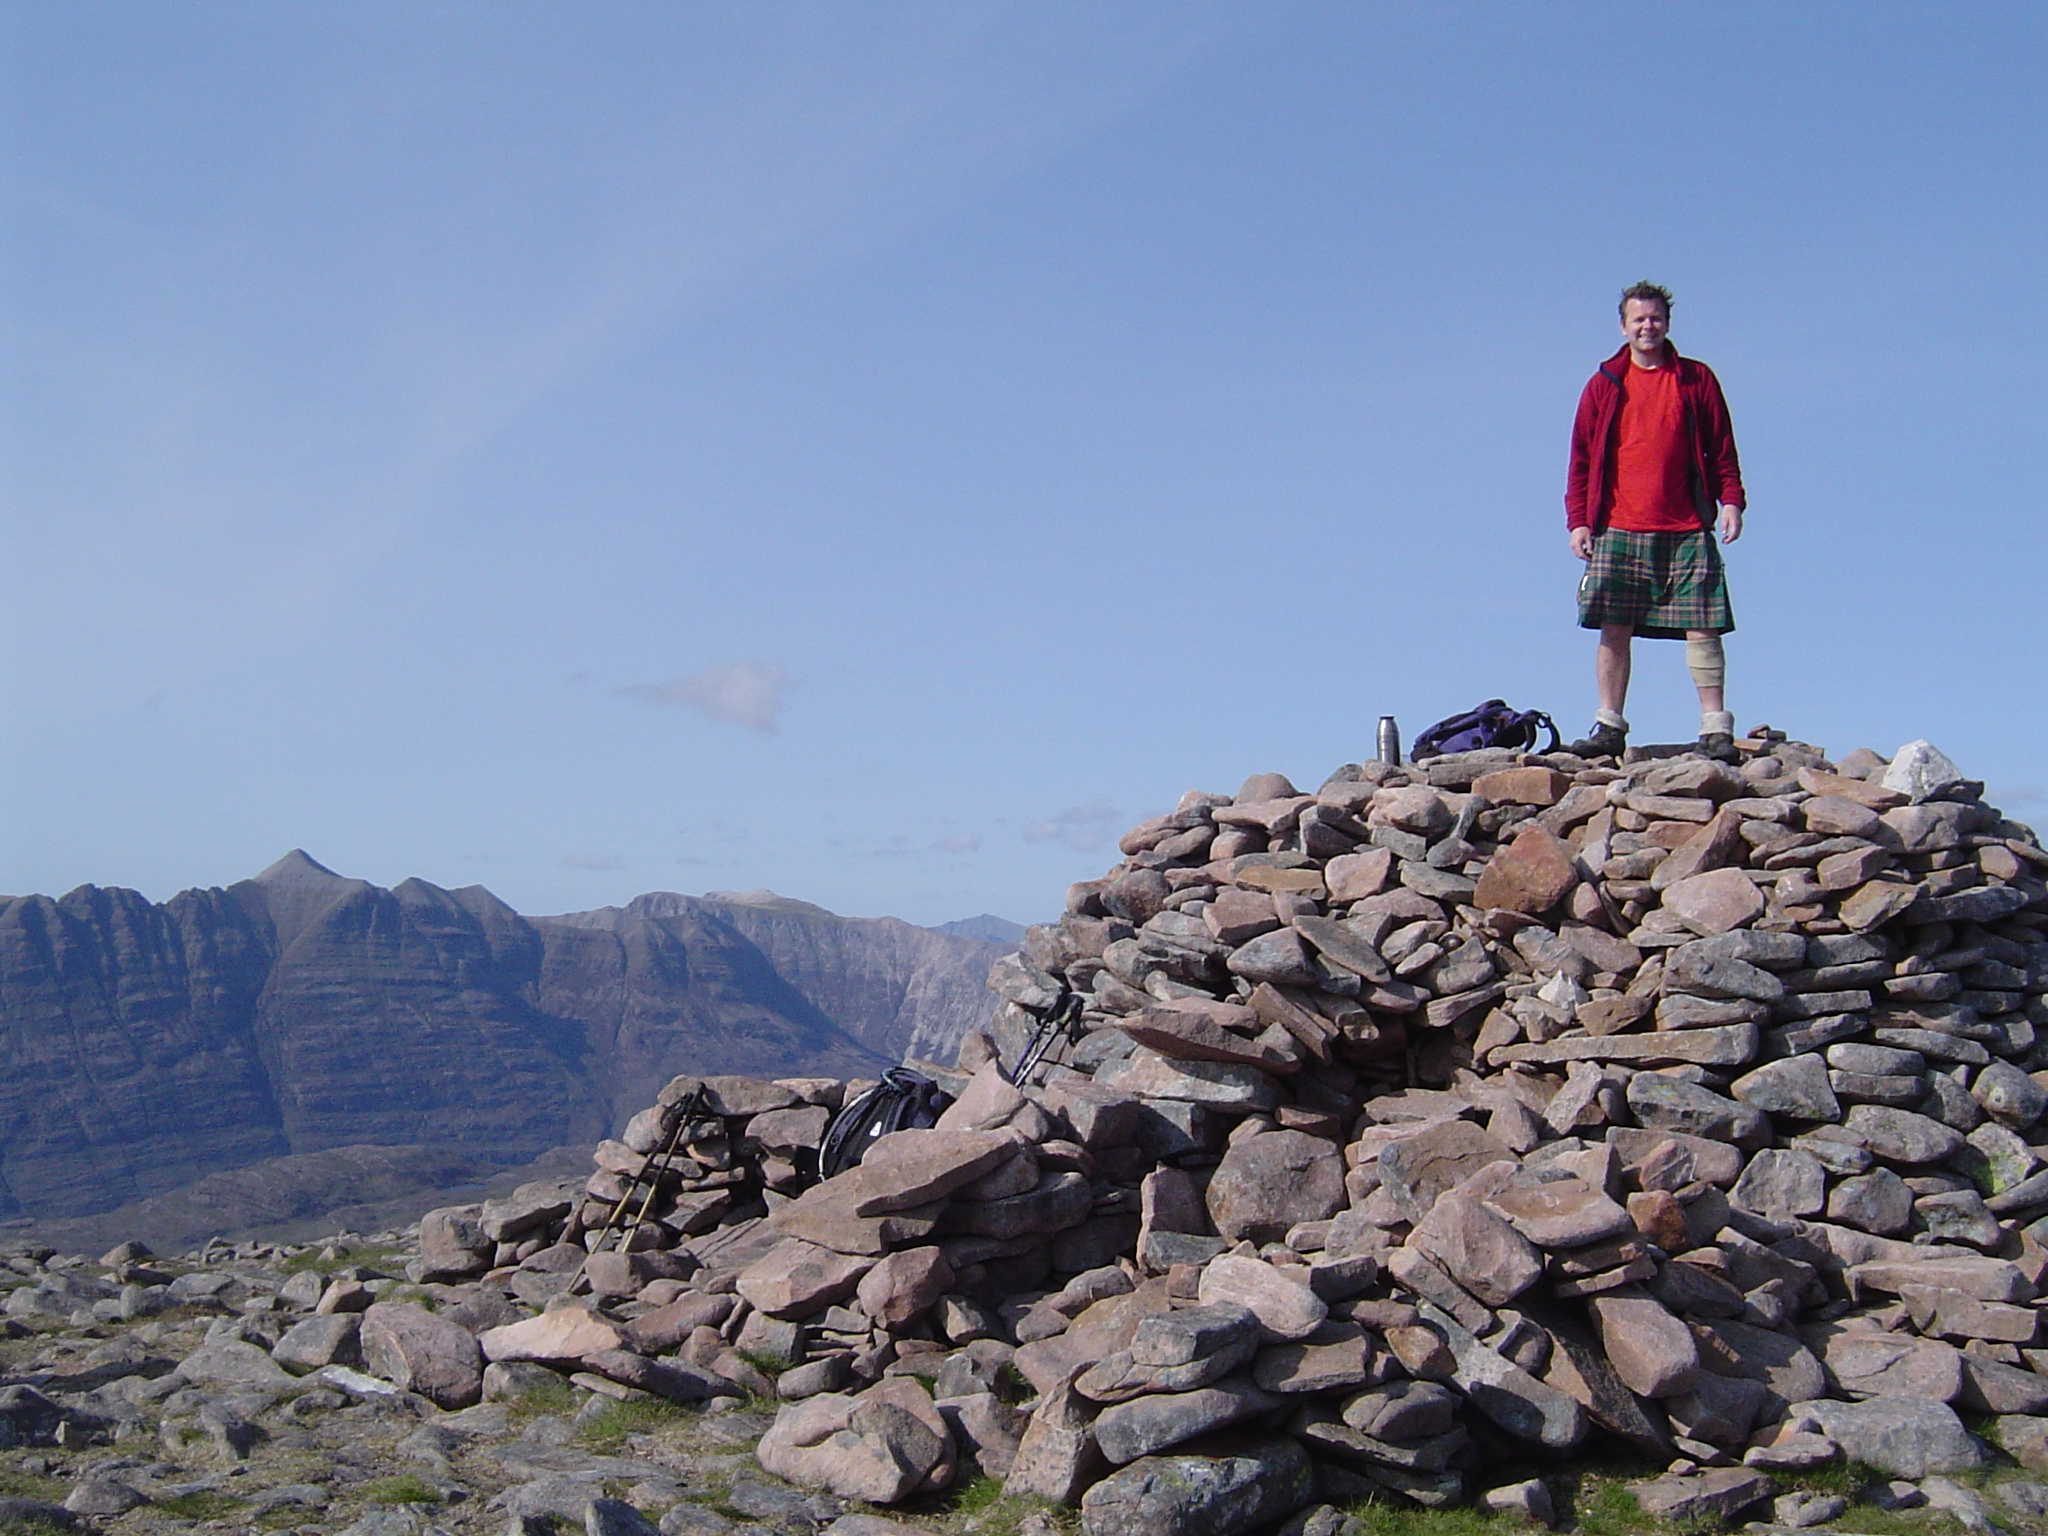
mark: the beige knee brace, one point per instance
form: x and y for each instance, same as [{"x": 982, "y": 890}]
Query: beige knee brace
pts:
[{"x": 1706, "y": 661}]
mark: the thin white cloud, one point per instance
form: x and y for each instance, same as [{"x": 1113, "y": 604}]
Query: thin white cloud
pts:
[
  {"x": 592, "y": 861},
  {"x": 1080, "y": 827},
  {"x": 959, "y": 842},
  {"x": 744, "y": 693}
]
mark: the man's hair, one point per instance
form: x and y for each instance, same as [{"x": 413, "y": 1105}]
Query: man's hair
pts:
[{"x": 1646, "y": 292}]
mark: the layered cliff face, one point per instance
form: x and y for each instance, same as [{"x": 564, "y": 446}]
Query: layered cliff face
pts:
[
  {"x": 900, "y": 990},
  {"x": 150, "y": 1044}
]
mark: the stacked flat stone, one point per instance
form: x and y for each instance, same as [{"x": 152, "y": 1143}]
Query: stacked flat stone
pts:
[{"x": 1504, "y": 1102}]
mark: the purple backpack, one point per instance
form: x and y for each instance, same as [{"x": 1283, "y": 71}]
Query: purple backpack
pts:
[{"x": 1492, "y": 724}]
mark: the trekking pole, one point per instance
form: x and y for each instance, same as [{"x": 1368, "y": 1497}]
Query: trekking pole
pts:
[
  {"x": 650, "y": 1175},
  {"x": 1056, "y": 1021}
]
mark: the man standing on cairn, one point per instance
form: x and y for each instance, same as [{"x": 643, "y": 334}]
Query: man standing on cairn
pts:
[{"x": 1653, "y": 477}]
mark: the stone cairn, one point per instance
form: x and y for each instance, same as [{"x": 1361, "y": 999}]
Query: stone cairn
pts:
[{"x": 1453, "y": 1116}]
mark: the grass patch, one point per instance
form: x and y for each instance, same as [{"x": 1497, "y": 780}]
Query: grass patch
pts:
[
  {"x": 344, "y": 1256},
  {"x": 980, "y": 1497},
  {"x": 1866, "y": 1521},
  {"x": 606, "y": 1430},
  {"x": 34, "y": 1525},
  {"x": 1383, "y": 1517},
  {"x": 1848, "y": 1478},
  {"x": 200, "y": 1504},
  {"x": 766, "y": 1361},
  {"x": 401, "y": 1489},
  {"x": 557, "y": 1397},
  {"x": 1601, "y": 1505},
  {"x": 26, "y": 1485}
]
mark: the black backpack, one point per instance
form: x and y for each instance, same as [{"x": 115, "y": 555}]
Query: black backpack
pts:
[
  {"x": 902, "y": 1101},
  {"x": 1492, "y": 724}
]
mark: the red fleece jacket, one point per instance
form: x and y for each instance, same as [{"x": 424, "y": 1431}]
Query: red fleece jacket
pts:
[{"x": 1717, "y": 476}]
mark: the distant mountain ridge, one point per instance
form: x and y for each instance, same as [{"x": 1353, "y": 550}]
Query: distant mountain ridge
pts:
[
  {"x": 987, "y": 927},
  {"x": 151, "y": 1044}
]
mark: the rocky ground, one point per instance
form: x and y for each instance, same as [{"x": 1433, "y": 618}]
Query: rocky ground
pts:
[
  {"x": 1506, "y": 1138},
  {"x": 146, "y": 1395}
]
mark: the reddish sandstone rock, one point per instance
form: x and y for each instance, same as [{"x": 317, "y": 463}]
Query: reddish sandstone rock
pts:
[{"x": 1531, "y": 874}]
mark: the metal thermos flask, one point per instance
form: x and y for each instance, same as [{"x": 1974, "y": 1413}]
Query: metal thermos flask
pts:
[{"x": 1390, "y": 740}]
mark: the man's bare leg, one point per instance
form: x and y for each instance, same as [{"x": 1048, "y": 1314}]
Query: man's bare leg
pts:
[
  {"x": 1610, "y": 677},
  {"x": 1611, "y": 668}
]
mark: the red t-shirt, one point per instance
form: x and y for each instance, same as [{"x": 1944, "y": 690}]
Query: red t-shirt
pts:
[{"x": 1649, "y": 477}]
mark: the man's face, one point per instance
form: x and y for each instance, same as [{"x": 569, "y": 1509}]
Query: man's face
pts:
[{"x": 1644, "y": 323}]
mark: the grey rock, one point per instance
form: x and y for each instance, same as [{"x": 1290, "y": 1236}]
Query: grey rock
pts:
[
  {"x": 1920, "y": 770},
  {"x": 1796, "y": 1087},
  {"x": 1797, "y": 1511},
  {"x": 1666, "y": 1104},
  {"x": 1784, "y": 1365},
  {"x": 318, "y": 1341},
  {"x": 1478, "y": 1249},
  {"x": 1906, "y": 1437},
  {"x": 1781, "y": 1183},
  {"x": 1420, "y": 1169},
  {"x": 1238, "y": 1488},
  {"x": 1878, "y": 1202},
  {"x": 1959, "y": 1216},
  {"x": 1145, "y": 1425},
  {"x": 1687, "y": 969},
  {"x": 1507, "y": 1394},
  {"x": 1711, "y": 1496},
  {"x": 1866, "y": 1364},
  {"x": 1269, "y": 1182},
  {"x": 615, "y": 1517},
  {"x": 2009, "y": 1095},
  {"x": 1527, "y": 1500},
  {"x": 99, "y": 1495},
  {"x": 1900, "y": 1136}
]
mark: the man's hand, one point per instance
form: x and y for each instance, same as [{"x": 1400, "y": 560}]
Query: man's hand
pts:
[
  {"x": 1731, "y": 523},
  {"x": 1582, "y": 540}
]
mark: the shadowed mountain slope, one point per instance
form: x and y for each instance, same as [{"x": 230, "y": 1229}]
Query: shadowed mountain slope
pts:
[{"x": 151, "y": 1044}]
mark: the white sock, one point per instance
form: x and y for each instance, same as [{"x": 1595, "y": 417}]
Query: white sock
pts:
[
  {"x": 1712, "y": 720},
  {"x": 1610, "y": 718}
]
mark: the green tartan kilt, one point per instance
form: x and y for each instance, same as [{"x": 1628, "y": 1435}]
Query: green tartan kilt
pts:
[{"x": 1659, "y": 584}]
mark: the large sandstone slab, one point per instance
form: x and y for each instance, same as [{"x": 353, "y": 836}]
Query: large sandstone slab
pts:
[
  {"x": 795, "y": 1278},
  {"x": 906, "y": 1169},
  {"x": 559, "y": 1337},
  {"x": 1716, "y": 1045}
]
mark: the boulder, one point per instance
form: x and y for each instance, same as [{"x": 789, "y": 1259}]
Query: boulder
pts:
[
  {"x": 419, "y": 1351},
  {"x": 854, "y": 1447},
  {"x": 1286, "y": 1310},
  {"x": 1233, "y": 1487},
  {"x": 1905, "y": 1437}
]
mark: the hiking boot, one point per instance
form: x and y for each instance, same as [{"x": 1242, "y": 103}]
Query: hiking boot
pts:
[
  {"x": 1720, "y": 746},
  {"x": 1606, "y": 741}
]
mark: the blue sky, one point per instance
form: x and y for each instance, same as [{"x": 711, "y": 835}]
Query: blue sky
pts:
[{"x": 879, "y": 451}]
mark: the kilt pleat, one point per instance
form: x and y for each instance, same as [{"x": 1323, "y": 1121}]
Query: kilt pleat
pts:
[{"x": 1659, "y": 584}]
